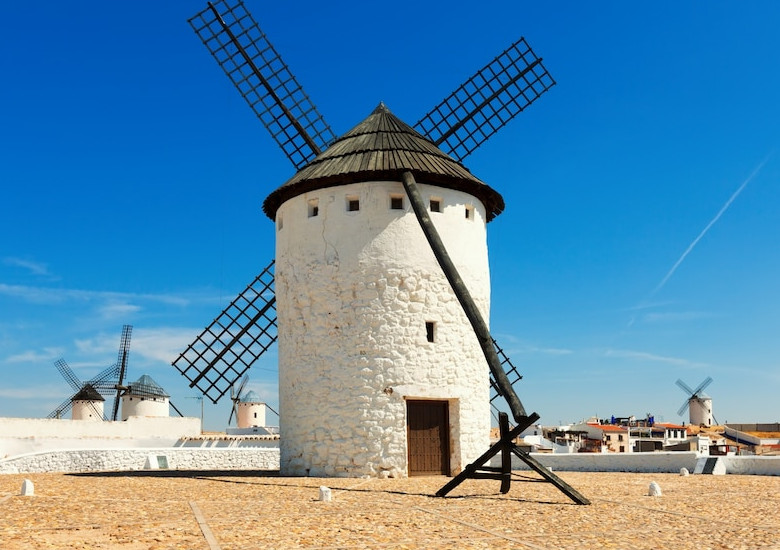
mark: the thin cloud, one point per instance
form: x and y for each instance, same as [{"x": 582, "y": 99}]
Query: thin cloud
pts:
[
  {"x": 512, "y": 345},
  {"x": 645, "y": 356},
  {"x": 118, "y": 310},
  {"x": 47, "y": 355},
  {"x": 155, "y": 346},
  {"x": 36, "y": 268},
  {"x": 49, "y": 295},
  {"x": 676, "y": 316},
  {"x": 36, "y": 393},
  {"x": 712, "y": 222}
]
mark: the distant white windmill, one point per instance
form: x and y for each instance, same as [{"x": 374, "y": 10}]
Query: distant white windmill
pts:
[{"x": 698, "y": 403}]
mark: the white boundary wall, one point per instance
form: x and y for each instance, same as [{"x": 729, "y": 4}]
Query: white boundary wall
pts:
[
  {"x": 267, "y": 458},
  {"x": 662, "y": 462},
  {"x": 28, "y": 435},
  {"x": 180, "y": 458}
]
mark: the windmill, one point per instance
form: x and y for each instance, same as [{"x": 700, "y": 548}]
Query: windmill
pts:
[
  {"x": 391, "y": 156},
  {"x": 92, "y": 391},
  {"x": 236, "y": 397},
  {"x": 105, "y": 384},
  {"x": 248, "y": 409},
  {"x": 698, "y": 403},
  {"x": 144, "y": 388}
]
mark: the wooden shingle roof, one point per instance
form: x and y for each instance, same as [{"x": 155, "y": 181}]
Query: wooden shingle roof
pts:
[
  {"x": 87, "y": 393},
  {"x": 381, "y": 148}
]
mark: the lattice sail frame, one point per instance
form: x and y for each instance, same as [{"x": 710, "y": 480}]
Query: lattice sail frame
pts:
[
  {"x": 228, "y": 347},
  {"x": 104, "y": 383},
  {"x": 511, "y": 371},
  {"x": 487, "y": 101},
  {"x": 250, "y": 61}
]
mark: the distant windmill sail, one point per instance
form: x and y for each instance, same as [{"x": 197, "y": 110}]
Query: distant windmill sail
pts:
[
  {"x": 694, "y": 396},
  {"x": 104, "y": 383}
]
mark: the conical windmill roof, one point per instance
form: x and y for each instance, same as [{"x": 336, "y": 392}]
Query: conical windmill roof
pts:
[
  {"x": 87, "y": 393},
  {"x": 382, "y": 148},
  {"x": 147, "y": 386},
  {"x": 251, "y": 397}
]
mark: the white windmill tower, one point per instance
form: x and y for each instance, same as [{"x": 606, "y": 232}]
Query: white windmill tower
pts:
[
  {"x": 381, "y": 283},
  {"x": 249, "y": 410},
  {"x": 144, "y": 397},
  {"x": 87, "y": 404}
]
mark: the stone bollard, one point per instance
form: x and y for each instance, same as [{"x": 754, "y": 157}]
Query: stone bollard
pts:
[
  {"x": 654, "y": 490},
  {"x": 28, "y": 489},
  {"x": 325, "y": 494},
  {"x": 684, "y": 471}
]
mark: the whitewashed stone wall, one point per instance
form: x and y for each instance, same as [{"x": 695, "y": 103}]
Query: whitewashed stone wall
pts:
[
  {"x": 29, "y": 435},
  {"x": 670, "y": 462},
  {"x": 98, "y": 460},
  {"x": 354, "y": 291}
]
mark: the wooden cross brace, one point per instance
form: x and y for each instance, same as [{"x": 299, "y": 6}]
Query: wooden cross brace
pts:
[{"x": 505, "y": 445}]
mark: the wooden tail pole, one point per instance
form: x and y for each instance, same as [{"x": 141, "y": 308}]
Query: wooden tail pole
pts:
[
  {"x": 505, "y": 445},
  {"x": 464, "y": 297}
]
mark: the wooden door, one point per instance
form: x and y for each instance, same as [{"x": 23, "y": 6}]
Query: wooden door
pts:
[{"x": 428, "y": 437}]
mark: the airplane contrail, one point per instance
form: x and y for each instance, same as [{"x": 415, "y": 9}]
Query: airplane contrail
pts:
[{"x": 712, "y": 222}]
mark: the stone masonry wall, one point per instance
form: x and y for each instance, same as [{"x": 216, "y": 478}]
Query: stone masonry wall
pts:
[
  {"x": 354, "y": 292},
  {"x": 94, "y": 460}
]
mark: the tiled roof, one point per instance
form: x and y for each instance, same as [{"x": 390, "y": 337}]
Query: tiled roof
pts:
[
  {"x": 608, "y": 427},
  {"x": 147, "y": 386},
  {"x": 382, "y": 148}
]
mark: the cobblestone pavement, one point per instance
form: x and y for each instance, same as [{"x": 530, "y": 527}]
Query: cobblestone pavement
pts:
[{"x": 228, "y": 510}]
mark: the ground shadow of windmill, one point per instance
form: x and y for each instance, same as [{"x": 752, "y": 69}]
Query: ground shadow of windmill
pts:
[{"x": 391, "y": 156}]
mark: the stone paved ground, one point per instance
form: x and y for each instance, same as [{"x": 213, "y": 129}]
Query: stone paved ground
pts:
[{"x": 229, "y": 511}]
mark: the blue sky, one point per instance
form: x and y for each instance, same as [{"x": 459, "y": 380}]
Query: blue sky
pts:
[{"x": 639, "y": 244}]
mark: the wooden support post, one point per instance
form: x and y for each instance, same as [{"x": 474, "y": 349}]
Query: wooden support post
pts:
[
  {"x": 506, "y": 453},
  {"x": 477, "y": 469},
  {"x": 506, "y": 446},
  {"x": 540, "y": 469}
]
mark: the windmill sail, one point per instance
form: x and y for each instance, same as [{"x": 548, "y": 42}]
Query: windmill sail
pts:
[
  {"x": 235, "y": 40},
  {"x": 225, "y": 350},
  {"x": 483, "y": 104}
]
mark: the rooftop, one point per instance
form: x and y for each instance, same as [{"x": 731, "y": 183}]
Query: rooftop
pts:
[{"x": 382, "y": 148}]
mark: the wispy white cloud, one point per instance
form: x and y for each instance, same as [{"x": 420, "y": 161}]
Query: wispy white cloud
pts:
[
  {"x": 511, "y": 344},
  {"x": 35, "y": 357},
  {"x": 50, "y": 295},
  {"x": 36, "y": 268},
  {"x": 651, "y": 357},
  {"x": 712, "y": 222},
  {"x": 160, "y": 345},
  {"x": 33, "y": 393},
  {"x": 118, "y": 310},
  {"x": 676, "y": 316}
]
